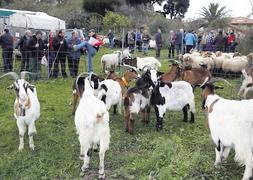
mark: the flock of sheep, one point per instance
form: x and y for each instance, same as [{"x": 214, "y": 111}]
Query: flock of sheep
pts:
[{"x": 230, "y": 121}]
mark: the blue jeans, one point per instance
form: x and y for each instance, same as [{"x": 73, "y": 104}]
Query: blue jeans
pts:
[
  {"x": 145, "y": 47},
  {"x": 111, "y": 43},
  {"x": 91, "y": 51}
]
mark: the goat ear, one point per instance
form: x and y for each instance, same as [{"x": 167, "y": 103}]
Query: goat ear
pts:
[{"x": 96, "y": 83}]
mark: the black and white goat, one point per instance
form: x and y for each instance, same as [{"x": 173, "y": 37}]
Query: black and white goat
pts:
[
  {"x": 78, "y": 87},
  {"x": 174, "y": 96},
  {"x": 26, "y": 107},
  {"x": 92, "y": 125}
]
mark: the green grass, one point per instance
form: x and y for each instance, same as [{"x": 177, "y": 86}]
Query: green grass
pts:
[{"x": 180, "y": 151}]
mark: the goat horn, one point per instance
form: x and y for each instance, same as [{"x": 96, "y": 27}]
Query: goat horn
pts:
[
  {"x": 206, "y": 80},
  {"x": 12, "y": 74},
  {"x": 23, "y": 73},
  {"x": 91, "y": 73}
]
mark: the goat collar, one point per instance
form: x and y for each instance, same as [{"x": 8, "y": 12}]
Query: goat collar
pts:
[
  {"x": 124, "y": 81},
  {"x": 210, "y": 109}
]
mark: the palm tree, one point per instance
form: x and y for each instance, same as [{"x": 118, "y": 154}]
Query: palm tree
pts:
[{"x": 214, "y": 15}]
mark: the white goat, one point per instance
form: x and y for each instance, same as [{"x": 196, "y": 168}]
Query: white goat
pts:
[
  {"x": 26, "y": 108},
  {"x": 247, "y": 80},
  {"x": 150, "y": 62},
  {"x": 114, "y": 59},
  {"x": 231, "y": 126},
  {"x": 92, "y": 125},
  {"x": 175, "y": 96}
]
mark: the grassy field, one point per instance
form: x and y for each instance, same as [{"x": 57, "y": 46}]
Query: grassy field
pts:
[{"x": 180, "y": 151}]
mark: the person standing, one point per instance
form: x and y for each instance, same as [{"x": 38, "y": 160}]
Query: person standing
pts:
[
  {"x": 60, "y": 47},
  {"x": 36, "y": 47},
  {"x": 6, "y": 41},
  {"x": 91, "y": 46},
  {"x": 171, "y": 40},
  {"x": 190, "y": 40},
  {"x": 73, "y": 56},
  {"x": 130, "y": 40},
  {"x": 231, "y": 42},
  {"x": 110, "y": 36},
  {"x": 178, "y": 42},
  {"x": 23, "y": 46},
  {"x": 145, "y": 42},
  {"x": 159, "y": 42},
  {"x": 219, "y": 42}
]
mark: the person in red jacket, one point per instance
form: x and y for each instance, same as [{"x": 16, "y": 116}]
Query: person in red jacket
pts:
[{"x": 231, "y": 42}]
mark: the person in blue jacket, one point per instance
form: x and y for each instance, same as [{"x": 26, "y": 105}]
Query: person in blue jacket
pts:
[
  {"x": 190, "y": 40},
  {"x": 73, "y": 56}
]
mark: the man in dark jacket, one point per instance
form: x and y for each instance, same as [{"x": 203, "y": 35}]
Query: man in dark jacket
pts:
[
  {"x": 60, "y": 47},
  {"x": 6, "y": 41},
  {"x": 178, "y": 42},
  {"x": 159, "y": 42},
  {"x": 36, "y": 47},
  {"x": 23, "y": 46},
  {"x": 219, "y": 42}
]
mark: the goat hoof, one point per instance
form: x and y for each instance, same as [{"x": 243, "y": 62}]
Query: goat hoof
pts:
[
  {"x": 84, "y": 168},
  {"x": 126, "y": 130},
  {"x": 217, "y": 164},
  {"x": 20, "y": 148},
  {"x": 101, "y": 176}
]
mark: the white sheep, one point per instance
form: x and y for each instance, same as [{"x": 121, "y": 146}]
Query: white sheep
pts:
[
  {"x": 26, "y": 108},
  {"x": 231, "y": 126},
  {"x": 92, "y": 125},
  {"x": 235, "y": 64},
  {"x": 175, "y": 96}
]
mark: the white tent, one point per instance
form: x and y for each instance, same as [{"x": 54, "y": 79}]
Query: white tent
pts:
[{"x": 30, "y": 20}]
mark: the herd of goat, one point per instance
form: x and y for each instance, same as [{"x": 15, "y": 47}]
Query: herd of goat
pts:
[{"x": 230, "y": 121}]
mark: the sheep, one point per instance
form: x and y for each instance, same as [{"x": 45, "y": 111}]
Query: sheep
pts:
[
  {"x": 143, "y": 63},
  {"x": 78, "y": 88},
  {"x": 138, "y": 99},
  {"x": 26, "y": 107},
  {"x": 92, "y": 125},
  {"x": 246, "y": 84},
  {"x": 175, "y": 96},
  {"x": 111, "y": 91},
  {"x": 230, "y": 124},
  {"x": 114, "y": 59},
  {"x": 235, "y": 65}
]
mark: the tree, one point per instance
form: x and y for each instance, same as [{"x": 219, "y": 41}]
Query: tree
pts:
[
  {"x": 214, "y": 15},
  {"x": 115, "y": 21},
  {"x": 100, "y": 6}
]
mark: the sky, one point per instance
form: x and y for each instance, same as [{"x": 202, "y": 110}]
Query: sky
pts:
[{"x": 236, "y": 7}]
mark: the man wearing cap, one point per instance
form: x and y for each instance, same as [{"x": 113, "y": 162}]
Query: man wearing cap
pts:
[
  {"x": 6, "y": 41},
  {"x": 36, "y": 47},
  {"x": 92, "y": 46}
]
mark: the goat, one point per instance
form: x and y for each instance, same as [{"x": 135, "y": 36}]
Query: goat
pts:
[
  {"x": 111, "y": 91},
  {"x": 92, "y": 125},
  {"x": 246, "y": 84},
  {"x": 114, "y": 59},
  {"x": 175, "y": 96},
  {"x": 26, "y": 107},
  {"x": 142, "y": 63},
  {"x": 78, "y": 88},
  {"x": 173, "y": 74},
  {"x": 196, "y": 76},
  {"x": 230, "y": 124},
  {"x": 138, "y": 99}
]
